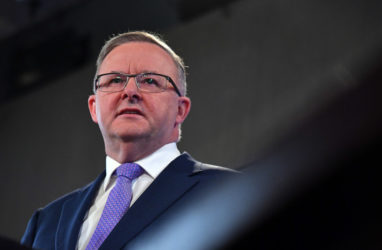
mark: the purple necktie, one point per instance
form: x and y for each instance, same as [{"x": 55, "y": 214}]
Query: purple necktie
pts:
[{"x": 117, "y": 203}]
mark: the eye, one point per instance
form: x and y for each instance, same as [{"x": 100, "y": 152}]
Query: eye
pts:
[
  {"x": 106, "y": 81},
  {"x": 150, "y": 81},
  {"x": 115, "y": 80}
]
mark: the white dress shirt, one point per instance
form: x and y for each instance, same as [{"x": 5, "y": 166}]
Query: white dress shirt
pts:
[{"x": 152, "y": 165}]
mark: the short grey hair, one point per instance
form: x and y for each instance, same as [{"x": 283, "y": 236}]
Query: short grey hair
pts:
[{"x": 143, "y": 36}]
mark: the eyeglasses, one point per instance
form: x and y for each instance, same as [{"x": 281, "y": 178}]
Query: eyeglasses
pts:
[{"x": 147, "y": 82}]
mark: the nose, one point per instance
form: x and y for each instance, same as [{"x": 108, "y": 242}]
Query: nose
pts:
[{"x": 131, "y": 90}]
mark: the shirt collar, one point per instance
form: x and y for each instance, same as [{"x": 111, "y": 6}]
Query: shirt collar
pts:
[{"x": 153, "y": 164}]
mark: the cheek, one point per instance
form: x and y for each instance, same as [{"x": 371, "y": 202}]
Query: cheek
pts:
[
  {"x": 104, "y": 109},
  {"x": 162, "y": 111},
  {"x": 99, "y": 113},
  {"x": 170, "y": 112}
]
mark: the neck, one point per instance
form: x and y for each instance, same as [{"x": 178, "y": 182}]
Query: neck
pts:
[{"x": 131, "y": 151}]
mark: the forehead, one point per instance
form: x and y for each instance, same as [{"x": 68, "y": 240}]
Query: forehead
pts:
[{"x": 137, "y": 57}]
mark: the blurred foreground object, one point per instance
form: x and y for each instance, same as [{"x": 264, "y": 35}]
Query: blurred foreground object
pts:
[{"x": 316, "y": 189}]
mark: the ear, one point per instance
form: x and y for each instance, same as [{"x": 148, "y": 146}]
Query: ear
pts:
[
  {"x": 184, "y": 107},
  {"x": 92, "y": 108}
]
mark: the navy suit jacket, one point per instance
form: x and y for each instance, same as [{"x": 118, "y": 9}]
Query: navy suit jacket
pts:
[{"x": 57, "y": 226}]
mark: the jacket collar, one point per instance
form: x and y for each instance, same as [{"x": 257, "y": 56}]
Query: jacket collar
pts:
[
  {"x": 73, "y": 213},
  {"x": 170, "y": 185}
]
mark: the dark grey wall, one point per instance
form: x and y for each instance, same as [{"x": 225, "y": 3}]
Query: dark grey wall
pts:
[{"x": 256, "y": 68}]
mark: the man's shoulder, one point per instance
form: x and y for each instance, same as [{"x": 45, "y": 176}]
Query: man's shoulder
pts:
[
  {"x": 206, "y": 166},
  {"x": 60, "y": 201},
  {"x": 201, "y": 168}
]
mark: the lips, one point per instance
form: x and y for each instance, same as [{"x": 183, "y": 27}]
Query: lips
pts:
[{"x": 129, "y": 111}]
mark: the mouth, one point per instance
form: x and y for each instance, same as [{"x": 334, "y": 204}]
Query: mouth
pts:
[{"x": 129, "y": 111}]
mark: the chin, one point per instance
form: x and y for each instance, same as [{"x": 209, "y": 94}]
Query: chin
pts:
[{"x": 131, "y": 134}]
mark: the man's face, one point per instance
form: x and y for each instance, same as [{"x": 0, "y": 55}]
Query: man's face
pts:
[{"x": 132, "y": 115}]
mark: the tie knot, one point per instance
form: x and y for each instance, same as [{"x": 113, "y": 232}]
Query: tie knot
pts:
[{"x": 129, "y": 170}]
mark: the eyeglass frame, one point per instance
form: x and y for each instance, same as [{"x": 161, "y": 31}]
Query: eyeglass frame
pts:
[{"x": 135, "y": 80}]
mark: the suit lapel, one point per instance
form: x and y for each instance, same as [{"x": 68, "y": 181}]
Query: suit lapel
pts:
[
  {"x": 169, "y": 186},
  {"x": 73, "y": 213}
]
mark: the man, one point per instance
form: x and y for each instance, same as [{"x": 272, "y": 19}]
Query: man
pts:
[{"x": 139, "y": 103}]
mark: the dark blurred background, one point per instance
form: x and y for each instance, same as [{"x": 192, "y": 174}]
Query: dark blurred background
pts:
[{"x": 257, "y": 69}]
